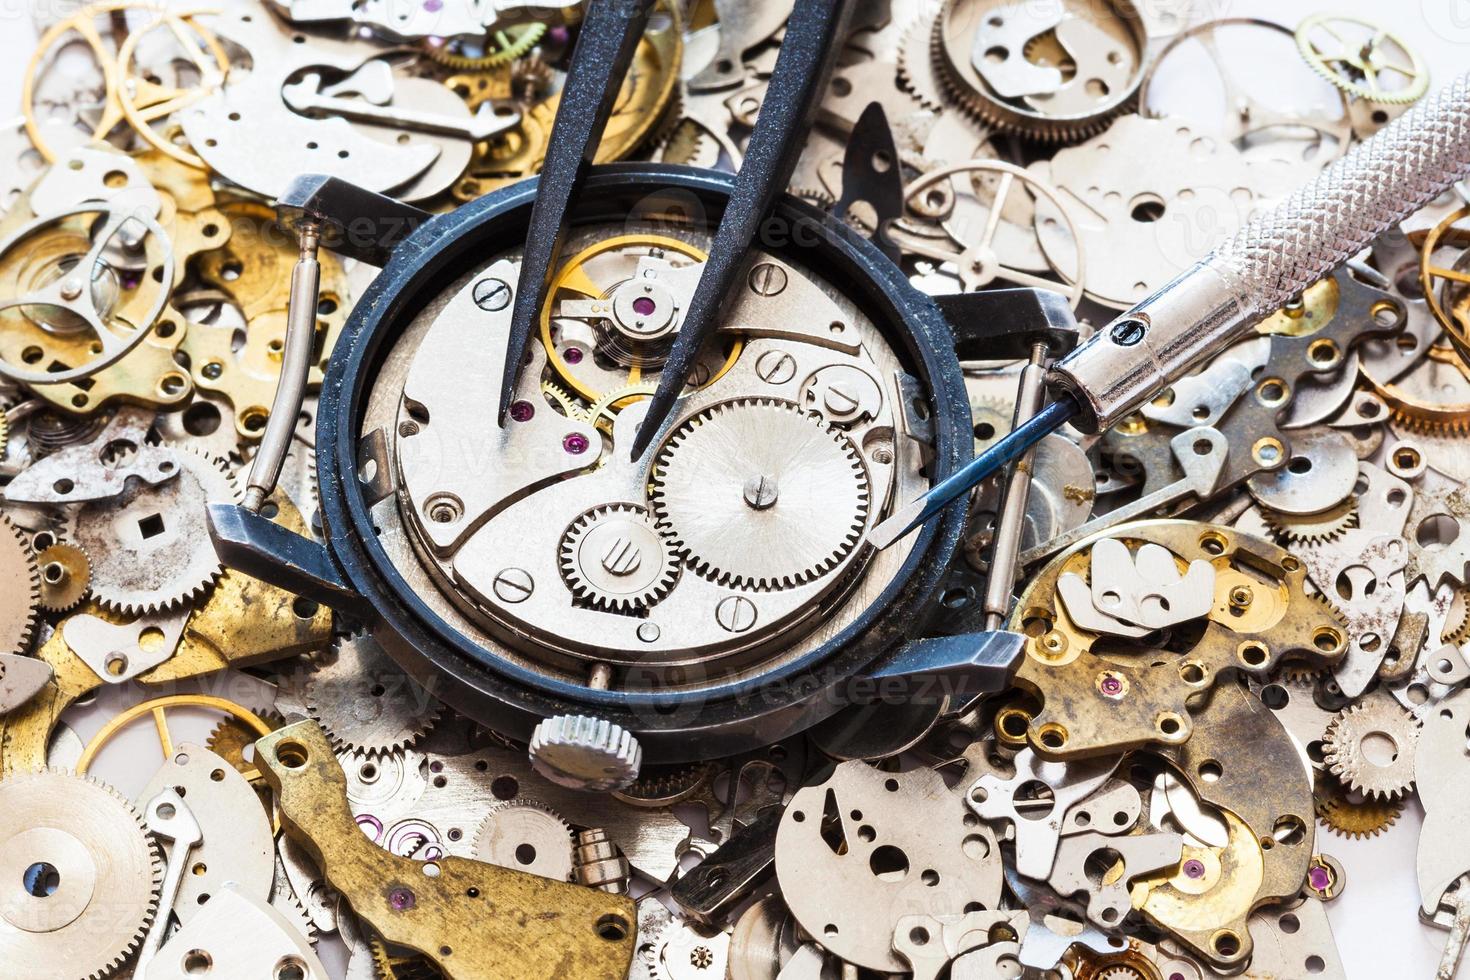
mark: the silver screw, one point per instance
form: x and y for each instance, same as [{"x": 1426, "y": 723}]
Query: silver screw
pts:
[
  {"x": 776, "y": 367},
  {"x": 649, "y": 632},
  {"x": 735, "y": 614},
  {"x": 492, "y": 295},
  {"x": 839, "y": 402},
  {"x": 761, "y": 492},
  {"x": 767, "y": 279},
  {"x": 514, "y": 585}
]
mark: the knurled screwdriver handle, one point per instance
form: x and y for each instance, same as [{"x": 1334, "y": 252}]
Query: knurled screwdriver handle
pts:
[{"x": 1273, "y": 258}]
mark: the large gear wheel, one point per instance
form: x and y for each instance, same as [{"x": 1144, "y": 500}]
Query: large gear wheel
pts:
[
  {"x": 1351, "y": 815},
  {"x": 613, "y": 558},
  {"x": 917, "y": 73},
  {"x": 754, "y": 493},
  {"x": 150, "y": 545},
  {"x": 1370, "y": 747},
  {"x": 79, "y": 877},
  {"x": 365, "y": 702},
  {"x": 1081, "y": 106},
  {"x": 526, "y": 836},
  {"x": 22, "y": 594}
]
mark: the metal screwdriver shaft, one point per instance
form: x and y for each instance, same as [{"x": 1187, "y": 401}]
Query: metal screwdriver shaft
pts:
[{"x": 1209, "y": 306}]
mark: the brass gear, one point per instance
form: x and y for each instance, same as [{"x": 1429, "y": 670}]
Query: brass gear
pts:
[
  {"x": 1347, "y": 816},
  {"x": 231, "y": 737},
  {"x": 104, "y": 876},
  {"x": 917, "y": 72},
  {"x": 1457, "y": 624},
  {"x": 65, "y": 576},
  {"x": 510, "y": 44},
  {"x": 22, "y": 589},
  {"x": 401, "y": 965},
  {"x": 1362, "y": 66}
]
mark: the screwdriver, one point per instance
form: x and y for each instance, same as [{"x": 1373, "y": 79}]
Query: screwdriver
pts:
[{"x": 1208, "y": 307}]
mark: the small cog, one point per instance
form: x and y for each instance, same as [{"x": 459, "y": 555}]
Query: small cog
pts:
[
  {"x": 524, "y": 835},
  {"x": 1350, "y": 815},
  {"x": 1329, "y": 525},
  {"x": 231, "y": 738},
  {"x": 22, "y": 595},
  {"x": 1457, "y": 622},
  {"x": 667, "y": 785},
  {"x": 505, "y": 46},
  {"x": 613, "y": 558},
  {"x": 66, "y": 575},
  {"x": 1370, "y": 746},
  {"x": 365, "y": 702}
]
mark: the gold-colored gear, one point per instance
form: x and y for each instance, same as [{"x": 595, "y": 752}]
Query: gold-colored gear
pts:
[
  {"x": 1448, "y": 233},
  {"x": 1355, "y": 67},
  {"x": 564, "y": 400},
  {"x": 394, "y": 965},
  {"x": 66, "y": 575},
  {"x": 156, "y": 710},
  {"x": 1347, "y": 816},
  {"x": 573, "y": 278},
  {"x": 508, "y": 45},
  {"x": 648, "y": 89},
  {"x": 234, "y": 735},
  {"x": 84, "y": 877},
  {"x": 22, "y": 589},
  {"x": 1457, "y": 622}
]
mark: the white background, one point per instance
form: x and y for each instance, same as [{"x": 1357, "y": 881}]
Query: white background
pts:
[{"x": 1375, "y": 921}]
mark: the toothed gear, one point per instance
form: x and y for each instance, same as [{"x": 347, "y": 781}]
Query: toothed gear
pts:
[
  {"x": 916, "y": 67},
  {"x": 107, "y": 875},
  {"x": 149, "y": 545},
  {"x": 1353, "y": 816},
  {"x": 511, "y": 43},
  {"x": 65, "y": 576},
  {"x": 365, "y": 702},
  {"x": 395, "y": 965},
  {"x": 526, "y": 836},
  {"x": 1380, "y": 772},
  {"x": 815, "y": 196},
  {"x": 1428, "y": 420},
  {"x": 1329, "y": 525},
  {"x": 667, "y": 786},
  {"x": 585, "y": 753},
  {"x": 754, "y": 493},
  {"x": 231, "y": 737},
  {"x": 613, "y": 558},
  {"x": 22, "y": 589},
  {"x": 563, "y": 399},
  {"x": 1357, "y": 67},
  {"x": 950, "y": 50},
  {"x": 290, "y": 906},
  {"x": 1457, "y": 621}
]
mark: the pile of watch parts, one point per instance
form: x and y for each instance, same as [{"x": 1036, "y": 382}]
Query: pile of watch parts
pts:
[{"x": 1246, "y": 608}]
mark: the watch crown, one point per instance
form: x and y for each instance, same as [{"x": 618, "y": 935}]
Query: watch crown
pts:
[{"x": 585, "y": 753}]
